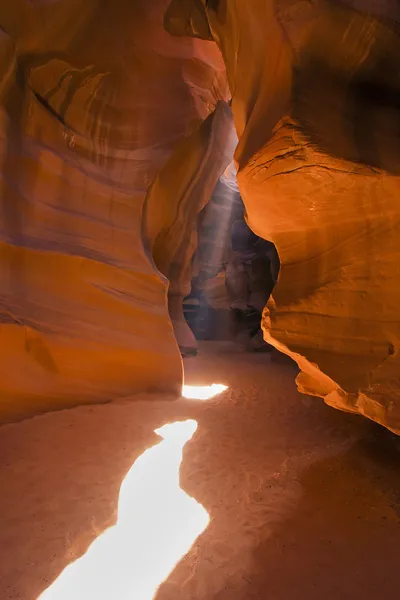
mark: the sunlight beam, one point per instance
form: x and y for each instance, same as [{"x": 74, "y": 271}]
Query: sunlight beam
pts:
[
  {"x": 157, "y": 525},
  {"x": 203, "y": 392}
]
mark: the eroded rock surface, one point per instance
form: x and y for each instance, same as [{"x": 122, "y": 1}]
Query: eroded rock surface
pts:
[
  {"x": 94, "y": 98},
  {"x": 180, "y": 191},
  {"x": 316, "y": 104}
]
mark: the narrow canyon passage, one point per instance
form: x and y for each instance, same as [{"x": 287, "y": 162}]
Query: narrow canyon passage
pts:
[{"x": 280, "y": 497}]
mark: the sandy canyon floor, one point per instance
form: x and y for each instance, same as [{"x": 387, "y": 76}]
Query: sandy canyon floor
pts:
[{"x": 279, "y": 497}]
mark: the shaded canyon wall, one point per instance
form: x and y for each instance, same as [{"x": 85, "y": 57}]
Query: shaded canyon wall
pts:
[
  {"x": 179, "y": 193},
  {"x": 95, "y": 97}
]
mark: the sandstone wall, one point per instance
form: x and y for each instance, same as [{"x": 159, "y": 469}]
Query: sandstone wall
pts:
[
  {"x": 316, "y": 104},
  {"x": 94, "y": 98},
  {"x": 180, "y": 191}
]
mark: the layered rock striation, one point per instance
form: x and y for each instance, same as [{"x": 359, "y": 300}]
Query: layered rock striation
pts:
[
  {"x": 95, "y": 96},
  {"x": 316, "y": 104}
]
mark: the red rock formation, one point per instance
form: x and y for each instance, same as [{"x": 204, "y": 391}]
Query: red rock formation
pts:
[
  {"x": 94, "y": 97},
  {"x": 316, "y": 91},
  {"x": 182, "y": 188}
]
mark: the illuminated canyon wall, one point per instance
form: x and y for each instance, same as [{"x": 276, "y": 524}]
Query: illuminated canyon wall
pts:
[
  {"x": 316, "y": 104},
  {"x": 95, "y": 99}
]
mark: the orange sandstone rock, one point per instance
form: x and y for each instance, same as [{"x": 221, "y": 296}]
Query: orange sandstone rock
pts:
[
  {"x": 94, "y": 98},
  {"x": 316, "y": 104}
]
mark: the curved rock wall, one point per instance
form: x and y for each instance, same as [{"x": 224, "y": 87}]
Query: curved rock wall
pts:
[
  {"x": 181, "y": 189},
  {"x": 316, "y": 104},
  {"x": 94, "y": 98}
]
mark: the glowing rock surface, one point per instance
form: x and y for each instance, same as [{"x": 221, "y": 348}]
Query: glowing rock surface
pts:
[
  {"x": 316, "y": 94},
  {"x": 94, "y": 98}
]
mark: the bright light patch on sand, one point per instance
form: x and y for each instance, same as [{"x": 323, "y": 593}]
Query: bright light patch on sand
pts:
[
  {"x": 157, "y": 525},
  {"x": 203, "y": 392}
]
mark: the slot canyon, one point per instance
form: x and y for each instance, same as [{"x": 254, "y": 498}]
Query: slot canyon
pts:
[{"x": 146, "y": 450}]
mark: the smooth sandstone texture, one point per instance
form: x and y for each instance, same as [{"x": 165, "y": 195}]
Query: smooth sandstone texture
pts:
[
  {"x": 316, "y": 104},
  {"x": 180, "y": 191},
  {"x": 94, "y": 98}
]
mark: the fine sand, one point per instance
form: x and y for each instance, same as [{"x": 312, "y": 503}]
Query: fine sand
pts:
[{"x": 288, "y": 498}]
